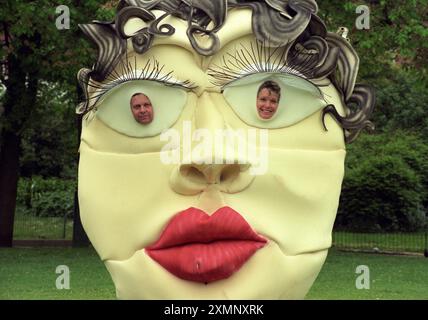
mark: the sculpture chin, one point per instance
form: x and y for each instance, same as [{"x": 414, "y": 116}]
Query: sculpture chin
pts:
[{"x": 140, "y": 277}]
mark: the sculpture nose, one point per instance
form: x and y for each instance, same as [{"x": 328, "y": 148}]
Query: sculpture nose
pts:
[
  {"x": 225, "y": 168},
  {"x": 190, "y": 179}
]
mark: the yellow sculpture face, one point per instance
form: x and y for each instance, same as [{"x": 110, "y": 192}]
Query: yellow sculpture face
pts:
[{"x": 128, "y": 195}]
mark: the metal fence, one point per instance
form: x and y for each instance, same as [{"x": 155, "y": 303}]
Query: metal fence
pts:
[
  {"x": 44, "y": 209},
  {"x": 382, "y": 242},
  {"x": 30, "y": 227}
]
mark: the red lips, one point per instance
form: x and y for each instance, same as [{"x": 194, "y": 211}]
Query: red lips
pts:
[{"x": 197, "y": 247}]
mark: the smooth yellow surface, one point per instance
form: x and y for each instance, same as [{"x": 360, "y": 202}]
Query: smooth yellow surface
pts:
[{"x": 127, "y": 195}]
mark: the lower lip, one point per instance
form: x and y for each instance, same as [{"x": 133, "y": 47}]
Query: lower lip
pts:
[{"x": 206, "y": 262}]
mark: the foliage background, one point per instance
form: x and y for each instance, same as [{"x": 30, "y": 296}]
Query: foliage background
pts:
[{"x": 386, "y": 183}]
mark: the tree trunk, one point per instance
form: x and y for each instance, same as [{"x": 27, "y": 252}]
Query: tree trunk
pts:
[
  {"x": 19, "y": 101},
  {"x": 9, "y": 173}
]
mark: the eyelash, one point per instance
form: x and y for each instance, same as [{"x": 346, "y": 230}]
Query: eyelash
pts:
[
  {"x": 259, "y": 58},
  {"x": 127, "y": 71}
]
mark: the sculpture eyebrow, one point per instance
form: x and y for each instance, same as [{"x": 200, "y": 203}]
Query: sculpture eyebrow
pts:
[
  {"x": 259, "y": 57},
  {"x": 152, "y": 70},
  {"x": 128, "y": 71}
]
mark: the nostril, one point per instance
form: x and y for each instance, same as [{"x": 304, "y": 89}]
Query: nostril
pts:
[
  {"x": 211, "y": 174},
  {"x": 193, "y": 174},
  {"x": 229, "y": 173}
]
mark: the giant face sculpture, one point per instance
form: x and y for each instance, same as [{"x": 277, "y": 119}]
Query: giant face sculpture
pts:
[{"x": 199, "y": 229}]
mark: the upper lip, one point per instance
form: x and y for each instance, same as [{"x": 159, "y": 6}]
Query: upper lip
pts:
[{"x": 195, "y": 226}]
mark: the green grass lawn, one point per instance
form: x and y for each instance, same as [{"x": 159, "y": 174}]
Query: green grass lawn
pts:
[
  {"x": 391, "y": 277},
  {"x": 30, "y": 274}
]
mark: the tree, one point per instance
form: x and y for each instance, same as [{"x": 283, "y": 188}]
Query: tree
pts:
[
  {"x": 34, "y": 50},
  {"x": 397, "y": 36},
  {"x": 393, "y": 55}
]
